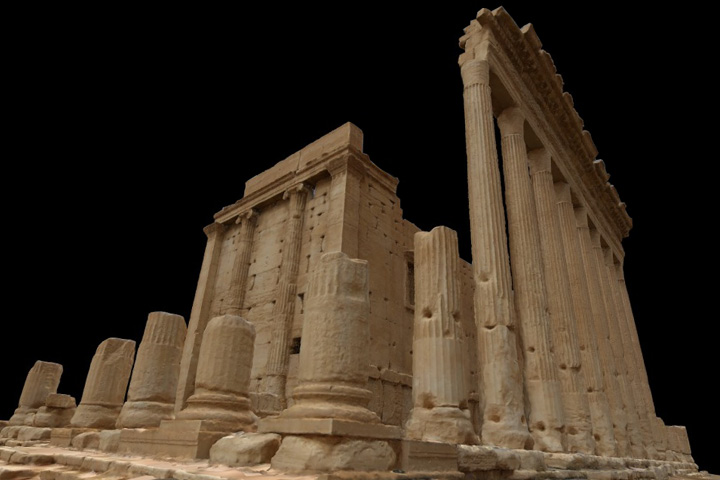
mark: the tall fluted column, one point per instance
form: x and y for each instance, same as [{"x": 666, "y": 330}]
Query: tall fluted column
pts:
[
  {"x": 633, "y": 428},
  {"x": 541, "y": 379},
  {"x": 41, "y": 381},
  {"x": 599, "y": 318},
  {"x": 241, "y": 264},
  {"x": 200, "y": 314},
  {"x": 334, "y": 358},
  {"x": 284, "y": 308},
  {"x": 106, "y": 383},
  {"x": 634, "y": 386},
  {"x": 602, "y": 427},
  {"x": 562, "y": 316},
  {"x": 151, "y": 395},
  {"x": 641, "y": 372},
  {"x": 439, "y": 382},
  {"x": 504, "y": 421},
  {"x": 223, "y": 377}
]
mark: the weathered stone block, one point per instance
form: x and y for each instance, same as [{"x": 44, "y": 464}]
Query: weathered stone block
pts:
[{"x": 245, "y": 449}]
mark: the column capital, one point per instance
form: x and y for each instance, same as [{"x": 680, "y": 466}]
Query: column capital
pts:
[
  {"x": 214, "y": 229},
  {"x": 475, "y": 72},
  {"x": 595, "y": 237},
  {"x": 247, "y": 215},
  {"x": 300, "y": 188},
  {"x": 564, "y": 195},
  {"x": 609, "y": 257},
  {"x": 511, "y": 121},
  {"x": 620, "y": 272},
  {"x": 540, "y": 161}
]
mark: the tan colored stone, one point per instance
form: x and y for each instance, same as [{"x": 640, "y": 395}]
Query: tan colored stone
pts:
[
  {"x": 546, "y": 417},
  {"x": 602, "y": 427},
  {"x": 417, "y": 456},
  {"x": 482, "y": 458},
  {"x": 57, "y": 412},
  {"x": 42, "y": 380},
  {"x": 87, "y": 440},
  {"x": 334, "y": 358},
  {"x": 106, "y": 384},
  {"x": 153, "y": 385},
  {"x": 439, "y": 372},
  {"x": 33, "y": 433},
  {"x": 223, "y": 377},
  {"x": 503, "y": 416},
  {"x": 327, "y": 454},
  {"x": 109, "y": 441},
  {"x": 245, "y": 449}
]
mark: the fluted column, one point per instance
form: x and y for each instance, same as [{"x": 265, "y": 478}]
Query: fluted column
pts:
[
  {"x": 41, "y": 381},
  {"x": 105, "y": 386},
  {"x": 631, "y": 367},
  {"x": 223, "y": 377},
  {"x": 284, "y": 308},
  {"x": 602, "y": 426},
  {"x": 563, "y": 324},
  {"x": 641, "y": 372},
  {"x": 335, "y": 352},
  {"x": 439, "y": 371},
  {"x": 504, "y": 422},
  {"x": 634, "y": 435},
  {"x": 200, "y": 314},
  {"x": 599, "y": 318},
  {"x": 241, "y": 263},
  {"x": 151, "y": 395},
  {"x": 541, "y": 380}
]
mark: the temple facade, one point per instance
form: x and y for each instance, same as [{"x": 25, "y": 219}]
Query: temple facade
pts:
[{"x": 328, "y": 333}]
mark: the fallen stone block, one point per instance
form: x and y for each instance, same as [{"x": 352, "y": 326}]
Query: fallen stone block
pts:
[{"x": 245, "y": 449}]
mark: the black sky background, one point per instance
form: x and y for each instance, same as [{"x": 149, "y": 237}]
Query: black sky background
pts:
[{"x": 125, "y": 130}]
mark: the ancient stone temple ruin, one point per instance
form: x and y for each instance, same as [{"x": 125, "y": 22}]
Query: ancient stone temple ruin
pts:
[{"x": 328, "y": 334}]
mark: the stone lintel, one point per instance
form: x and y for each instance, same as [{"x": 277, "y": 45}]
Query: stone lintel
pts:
[{"x": 328, "y": 426}]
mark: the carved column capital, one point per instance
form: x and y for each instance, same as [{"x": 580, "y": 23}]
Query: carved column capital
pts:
[
  {"x": 581, "y": 217},
  {"x": 475, "y": 72},
  {"x": 248, "y": 215},
  {"x": 563, "y": 194},
  {"x": 511, "y": 121},
  {"x": 300, "y": 188},
  {"x": 540, "y": 161},
  {"x": 214, "y": 229}
]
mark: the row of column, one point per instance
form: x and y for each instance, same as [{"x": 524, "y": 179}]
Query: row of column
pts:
[{"x": 583, "y": 387}]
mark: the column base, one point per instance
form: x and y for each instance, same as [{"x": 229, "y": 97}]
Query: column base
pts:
[
  {"x": 333, "y": 401},
  {"x": 144, "y": 414},
  {"x": 220, "y": 412},
  {"x": 441, "y": 424},
  {"x": 95, "y": 416},
  {"x": 22, "y": 416}
]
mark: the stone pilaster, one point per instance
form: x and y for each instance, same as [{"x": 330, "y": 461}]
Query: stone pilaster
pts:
[
  {"x": 222, "y": 382},
  {"x": 599, "y": 318},
  {"x": 334, "y": 358},
  {"x": 284, "y": 308},
  {"x": 504, "y": 422},
  {"x": 344, "y": 210},
  {"x": 200, "y": 314},
  {"x": 241, "y": 263},
  {"x": 634, "y": 434},
  {"x": 151, "y": 395},
  {"x": 440, "y": 392},
  {"x": 41, "y": 381},
  {"x": 602, "y": 427},
  {"x": 541, "y": 380},
  {"x": 106, "y": 384},
  {"x": 563, "y": 324}
]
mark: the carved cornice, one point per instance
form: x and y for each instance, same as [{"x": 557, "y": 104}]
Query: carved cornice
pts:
[{"x": 516, "y": 56}]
